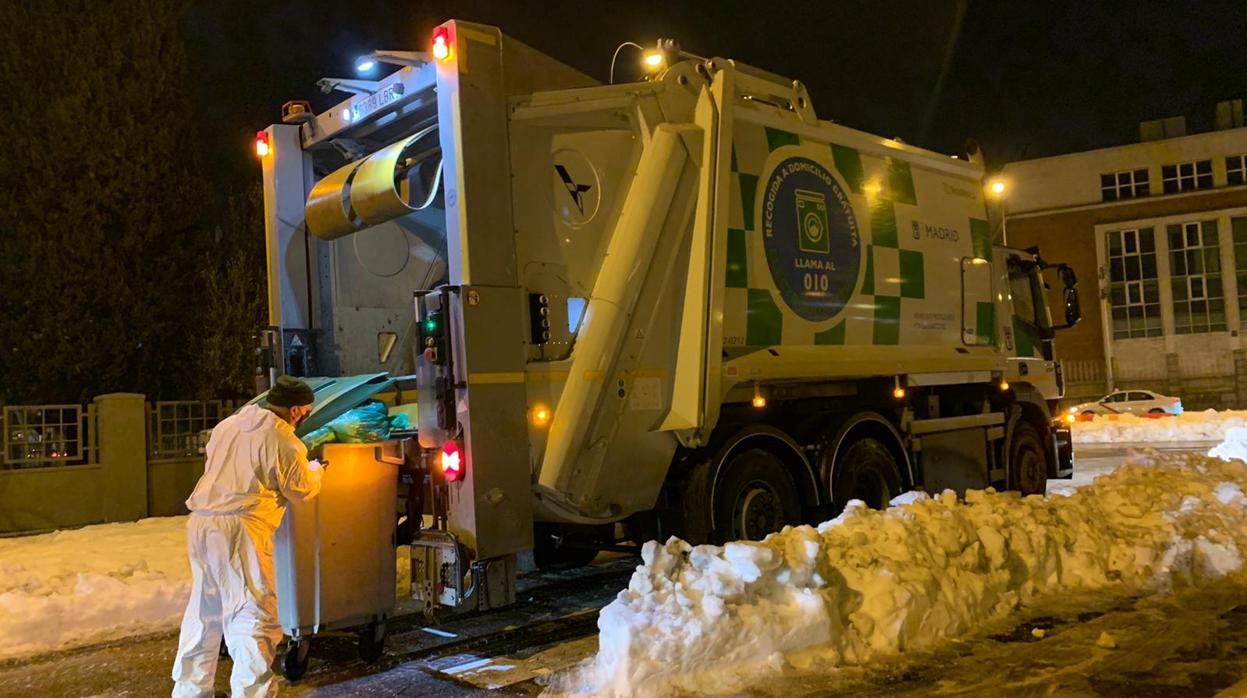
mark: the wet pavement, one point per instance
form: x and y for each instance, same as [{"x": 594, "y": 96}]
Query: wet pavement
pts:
[{"x": 423, "y": 656}]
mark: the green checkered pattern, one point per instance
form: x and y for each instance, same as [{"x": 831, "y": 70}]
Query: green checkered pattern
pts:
[{"x": 895, "y": 262}]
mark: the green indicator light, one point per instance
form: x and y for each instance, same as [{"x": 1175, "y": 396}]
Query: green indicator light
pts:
[{"x": 430, "y": 325}]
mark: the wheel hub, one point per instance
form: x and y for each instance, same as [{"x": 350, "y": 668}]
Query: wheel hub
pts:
[
  {"x": 1029, "y": 469},
  {"x": 757, "y": 512}
]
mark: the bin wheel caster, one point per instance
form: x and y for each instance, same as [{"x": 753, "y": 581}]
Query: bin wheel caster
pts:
[
  {"x": 294, "y": 662},
  {"x": 372, "y": 641}
]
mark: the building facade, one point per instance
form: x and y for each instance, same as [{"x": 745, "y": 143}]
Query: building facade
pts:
[{"x": 1157, "y": 233}]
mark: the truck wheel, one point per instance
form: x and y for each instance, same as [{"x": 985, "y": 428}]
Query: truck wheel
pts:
[
  {"x": 372, "y": 641},
  {"x": 755, "y": 496},
  {"x": 866, "y": 470},
  {"x": 1028, "y": 468},
  {"x": 294, "y": 661}
]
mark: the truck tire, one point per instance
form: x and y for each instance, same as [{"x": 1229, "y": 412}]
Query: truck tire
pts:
[
  {"x": 1028, "y": 468},
  {"x": 755, "y": 496},
  {"x": 866, "y": 470}
]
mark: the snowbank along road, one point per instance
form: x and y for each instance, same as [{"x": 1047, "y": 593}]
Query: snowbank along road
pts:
[
  {"x": 869, "y": 584},
  {"x": 1208, "y": 426}
]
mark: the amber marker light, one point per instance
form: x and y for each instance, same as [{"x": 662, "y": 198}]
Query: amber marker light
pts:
[{"x": 540, "y": 415}]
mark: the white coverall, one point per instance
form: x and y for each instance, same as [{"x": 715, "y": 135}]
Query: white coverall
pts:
[{"x": 255, "y": 464}]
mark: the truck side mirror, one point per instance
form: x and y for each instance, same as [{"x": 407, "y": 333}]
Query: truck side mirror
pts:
[
  {"x": 1073, "y": 311},
  {"x": 1067, "y": 276}
]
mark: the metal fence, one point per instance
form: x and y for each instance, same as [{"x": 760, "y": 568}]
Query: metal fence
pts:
[
  {"x": 48, "y": 435},
  {"x": 1078, "y": 371},
  {"x": 179, "y": 428},
  {"x": 38, "y": 436}
]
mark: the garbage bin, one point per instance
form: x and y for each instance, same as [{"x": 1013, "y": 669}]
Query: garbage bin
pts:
[{"x": 335, "y": 555}]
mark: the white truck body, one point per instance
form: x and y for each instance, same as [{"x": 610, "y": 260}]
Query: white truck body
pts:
[{"x": 629, "y": 288}]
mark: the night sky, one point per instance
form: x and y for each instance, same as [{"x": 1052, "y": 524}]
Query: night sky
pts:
[{"x": 1025, "y": 79}]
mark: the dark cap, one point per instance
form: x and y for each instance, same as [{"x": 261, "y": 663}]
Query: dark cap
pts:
[{"x": 290, "y": 391}]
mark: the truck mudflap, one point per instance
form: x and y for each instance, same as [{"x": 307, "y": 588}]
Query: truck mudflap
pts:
[{"x": 1063, "y": 443}]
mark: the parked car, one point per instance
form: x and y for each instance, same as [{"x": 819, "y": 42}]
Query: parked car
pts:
[{"x": 1131, "y": 402}]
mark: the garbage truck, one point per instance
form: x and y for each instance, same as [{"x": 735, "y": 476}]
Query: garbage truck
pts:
[{"x": 681, "y": 305}]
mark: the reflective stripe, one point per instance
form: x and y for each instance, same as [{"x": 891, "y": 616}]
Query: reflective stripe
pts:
[{"x": 495, "y": 377}]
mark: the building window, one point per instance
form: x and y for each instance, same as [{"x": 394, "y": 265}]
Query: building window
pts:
[
  {"x": 1236, "y": 170},
  {"x": 1186, "y": 176},
  {"x": 1195, "y": 275},
  {"x": 1238, "y": 228},
  {"x": 1123, "y": 185},
  {"x": 1133, "y": 290}
]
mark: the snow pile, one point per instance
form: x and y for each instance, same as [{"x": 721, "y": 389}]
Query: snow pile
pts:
[
  {"x": 713, "y": 619},
  {"x": 91, "y": 584},
  {"x": 1234, "y": 446},
  {"x": 1209, "y": 425}
]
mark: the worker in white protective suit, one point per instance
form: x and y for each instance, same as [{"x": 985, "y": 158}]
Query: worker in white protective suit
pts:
[{"x": 255, "y": 464}]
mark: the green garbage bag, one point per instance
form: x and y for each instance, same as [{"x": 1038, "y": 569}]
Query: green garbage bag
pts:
[
  {"x": 400, "y": 422},
  {"x": 319, "y": 437},
  {"x": 367, "y": 423}
]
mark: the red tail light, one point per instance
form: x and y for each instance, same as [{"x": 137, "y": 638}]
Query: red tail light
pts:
[
  {"x": 261, "y": 143},
  {"x": 441, "y": 43},
  {"x": 452, "y": 461}
]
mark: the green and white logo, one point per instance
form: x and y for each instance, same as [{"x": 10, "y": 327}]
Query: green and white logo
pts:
[
  {"x": 812, "y": 213},
  {"x": 811, "y": 237}
]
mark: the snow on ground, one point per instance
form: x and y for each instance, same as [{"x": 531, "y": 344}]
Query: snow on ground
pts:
[
  {"x": 68, "y": 588},
  {"x": 71, "y": 588},
  {"x": 712, "y": 619},
  {"x": 1209, "y": 425}
]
